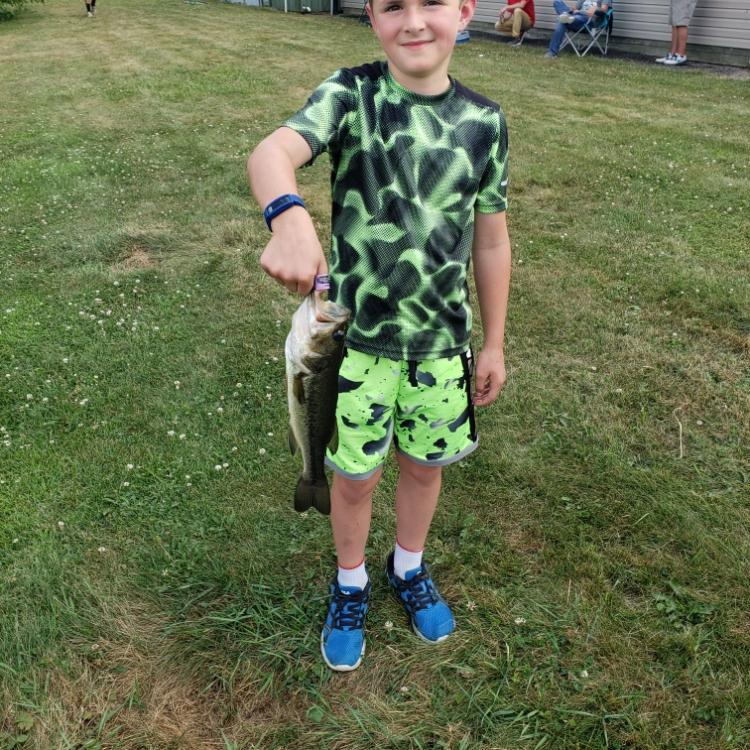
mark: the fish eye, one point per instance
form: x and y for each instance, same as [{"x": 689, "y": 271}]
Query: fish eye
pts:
[{"x": 338, "y": 335}]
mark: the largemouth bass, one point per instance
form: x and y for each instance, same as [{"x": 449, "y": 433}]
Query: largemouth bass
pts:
[{"x": 314, "y": 350}]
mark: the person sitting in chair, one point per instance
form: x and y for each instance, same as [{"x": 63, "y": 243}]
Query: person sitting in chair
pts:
[
  {"x": 516, "y": 19},
  {"x": 574, "y": 17}
]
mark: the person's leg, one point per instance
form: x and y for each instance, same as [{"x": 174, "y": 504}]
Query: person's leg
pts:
[
  {"x": 351, "y": 510},
  {"x": 417, "y": 494},
  {"x": 416, "y": 498},
  {"x": 556, "y": 40},
  {"x": 561, "y": 7},
  {"x": 504, "y": 25},
  {"x": 521, "y": 22},
  {"x": 434, "y": 427},
  {"x": 679, "y": 42},
  {"x": 578, "y": 22},
  {"x": 364, "y": 416}
]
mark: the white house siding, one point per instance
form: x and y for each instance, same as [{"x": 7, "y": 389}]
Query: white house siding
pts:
[{"x": 715, "y": 23}]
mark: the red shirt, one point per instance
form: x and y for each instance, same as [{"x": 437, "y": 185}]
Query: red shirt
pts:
[{"x": 528, "y": 9}]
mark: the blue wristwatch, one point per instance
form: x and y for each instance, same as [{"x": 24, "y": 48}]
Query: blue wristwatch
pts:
[{"x": 279, "y": 205}]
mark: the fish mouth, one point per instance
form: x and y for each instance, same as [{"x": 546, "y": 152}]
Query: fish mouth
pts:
[{"x": 329, "y": 312}]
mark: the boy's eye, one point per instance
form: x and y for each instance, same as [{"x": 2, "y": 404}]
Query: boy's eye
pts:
[{"x": 392, "y": 7}]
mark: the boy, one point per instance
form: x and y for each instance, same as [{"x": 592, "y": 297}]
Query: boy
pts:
[{"x": 417, "y": 161}]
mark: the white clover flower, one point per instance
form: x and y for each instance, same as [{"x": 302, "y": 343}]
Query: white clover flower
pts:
[
  {"x": 61, "y": 524},
  {"x": 388, "y": 625},
  {"x": 584, "y": 673},
  {"x": 171, "y": 433},
  {"x": 101, "y": 550},
  {"x": 126, "y": 484},
  {"x": 217, "y": 467},
  {"x": 130, "y": 466},
  {"x": 520, "y": 620},
  {"x": 471, "y": 605},
  {"x": 262, "y": 451},
  {"x": 182, "y": 436}
]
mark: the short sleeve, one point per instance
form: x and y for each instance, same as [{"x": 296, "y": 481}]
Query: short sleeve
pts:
[
  {"x": 319, "y": 121},
  {"x": 493, "y": 186}
]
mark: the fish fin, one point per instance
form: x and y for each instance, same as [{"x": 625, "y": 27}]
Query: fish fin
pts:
[
  {"x": 292, "y": 442},
  {"x": 298, "y": 388},
  {"x": 309, "y": 494}
]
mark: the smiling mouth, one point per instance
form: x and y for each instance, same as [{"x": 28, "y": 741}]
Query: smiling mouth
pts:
[{"x": 416, "y": 44}]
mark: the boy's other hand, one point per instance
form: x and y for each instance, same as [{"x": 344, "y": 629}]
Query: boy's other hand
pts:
[
  {"x": 294, "y": 256},
  {"x": 490, "y": 376}
]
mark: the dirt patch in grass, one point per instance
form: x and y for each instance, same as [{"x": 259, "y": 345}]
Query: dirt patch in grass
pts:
[{"x": 137, "y": 257}]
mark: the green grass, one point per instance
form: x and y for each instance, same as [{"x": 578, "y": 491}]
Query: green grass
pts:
[{"x": 595, "y": 548}]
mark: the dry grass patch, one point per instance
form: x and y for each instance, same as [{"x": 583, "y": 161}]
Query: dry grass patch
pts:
[{"x": 131, "y": 689}]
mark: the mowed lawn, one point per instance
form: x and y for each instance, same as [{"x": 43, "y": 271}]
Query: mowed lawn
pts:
[{"x": 158, "y": 591}]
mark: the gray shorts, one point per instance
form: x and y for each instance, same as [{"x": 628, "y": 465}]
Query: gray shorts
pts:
[{"x": 680, "y": 12}]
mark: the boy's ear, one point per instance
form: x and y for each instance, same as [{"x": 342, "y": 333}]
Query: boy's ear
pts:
[
  {"x": 368, "y": 8},
  {"x": 466, "y": 10}
]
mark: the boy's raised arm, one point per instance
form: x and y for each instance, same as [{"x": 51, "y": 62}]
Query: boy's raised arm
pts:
[
  {"x": 491, "y": 259},
  {"x": 293, "y": 255}
]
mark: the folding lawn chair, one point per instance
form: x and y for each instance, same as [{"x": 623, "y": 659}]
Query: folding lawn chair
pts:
[{"x": 588, "y": 36}]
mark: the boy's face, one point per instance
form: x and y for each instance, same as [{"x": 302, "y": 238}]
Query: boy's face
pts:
[{"x": 418, "y": 37}]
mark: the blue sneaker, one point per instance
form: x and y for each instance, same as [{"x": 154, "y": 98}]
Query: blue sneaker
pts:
[
  {"x": 431, "y": 617},
  {"x": 342, "y": 641}
]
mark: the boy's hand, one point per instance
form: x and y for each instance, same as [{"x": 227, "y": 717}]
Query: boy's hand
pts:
[
  {"x": 294, "y": 256},
  {"x": 489, "y": 376}
]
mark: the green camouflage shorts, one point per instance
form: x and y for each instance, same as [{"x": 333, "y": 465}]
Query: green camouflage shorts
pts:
[{"x": 426, "y": 406}]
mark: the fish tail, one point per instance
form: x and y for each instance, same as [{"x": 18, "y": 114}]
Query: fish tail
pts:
[{"x": 312, "y": 494}]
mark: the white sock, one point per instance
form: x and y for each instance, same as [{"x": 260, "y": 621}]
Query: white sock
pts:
[
  {"x": 353, "y": 576},
  {"x": 405, "y": 560}
]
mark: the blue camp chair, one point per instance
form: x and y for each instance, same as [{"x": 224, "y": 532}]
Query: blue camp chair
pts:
[{"x": 589, "y": 35}]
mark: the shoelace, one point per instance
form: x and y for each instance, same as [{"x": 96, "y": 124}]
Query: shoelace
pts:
[
  {"x": 420, "y": 591},
  {"x": 349, "y": 609}
]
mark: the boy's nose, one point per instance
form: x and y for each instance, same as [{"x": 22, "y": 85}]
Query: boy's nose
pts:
[{"x": 414, "y": 20}]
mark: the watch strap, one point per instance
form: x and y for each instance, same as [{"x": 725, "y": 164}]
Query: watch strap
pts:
[{"x": 279, "y": 205}]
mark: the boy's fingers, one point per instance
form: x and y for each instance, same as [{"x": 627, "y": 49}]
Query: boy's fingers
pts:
[{"x": 488, "y": 389}]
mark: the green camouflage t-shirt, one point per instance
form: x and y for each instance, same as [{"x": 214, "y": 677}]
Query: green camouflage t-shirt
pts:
[{"x": 408, "y": 172}]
